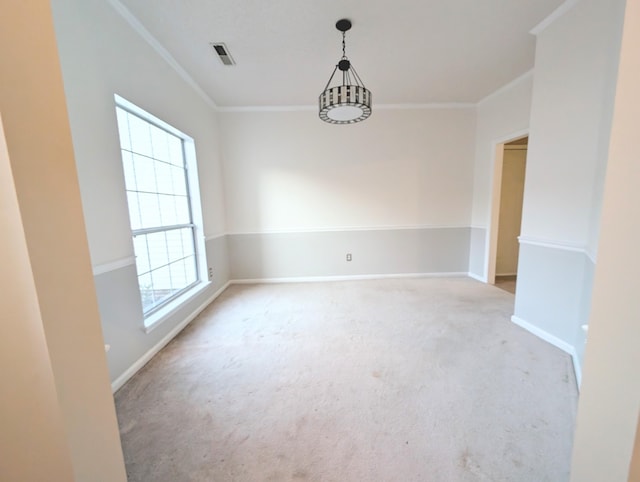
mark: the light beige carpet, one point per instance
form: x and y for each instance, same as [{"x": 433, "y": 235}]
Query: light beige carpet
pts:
[{"x": 386, "y": 380}]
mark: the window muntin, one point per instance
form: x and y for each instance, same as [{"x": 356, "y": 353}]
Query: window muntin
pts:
[{"x": 162, "y": 226}]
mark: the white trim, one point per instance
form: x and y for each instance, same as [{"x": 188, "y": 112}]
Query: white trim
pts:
[
  {"x": 317, "y": 279},
  {"x": 540, "y": 333},
  {"x": 555, "y": 341},
  {"x": 514, "y": 136},
  {"x": 313, "y": 108},
  {"x": 477, "y": 277},
  {"x": 144, "y": 359},
  {"x": 163, "y": 314},
  {"x": 555, "y": 15},
  {"x": 491, "y": 235},
  {"x": 346, "y": 228},
  {"x": 268, "y": 108},
  {"x": 215, "y": 236},
  {"x": 547, "y": 243},
  {"x": 505, "y": 87},
  {"x": 137, "y": 26},
  {"x": 435, "y": 105},
  {"x": 560, "y": 245},
  {"x": 113, "y": 265},
  {"x": 474, "y": 226},
  {"x": 577, "y": 369},
  {"x": 150, "y": 118}
]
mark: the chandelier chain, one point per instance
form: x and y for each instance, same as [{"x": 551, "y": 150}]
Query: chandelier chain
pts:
[{"x": 344, "y": 46}]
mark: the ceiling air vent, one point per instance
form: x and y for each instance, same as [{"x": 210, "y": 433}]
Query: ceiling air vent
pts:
[{"x": 223, "y": 52}]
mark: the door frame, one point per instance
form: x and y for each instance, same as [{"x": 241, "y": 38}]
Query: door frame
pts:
[{"x": 491, "y": 241}]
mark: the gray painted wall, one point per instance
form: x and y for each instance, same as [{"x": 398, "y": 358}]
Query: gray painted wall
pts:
[
  {"x": 550, "y": 289},
  {"x": 323, "y": 254},
  {"x": 477, "y": 251},
  {"x": 121, "y": 310},
  {"x": 573, "y": 95},
  {"x": 580, "y": 338}
]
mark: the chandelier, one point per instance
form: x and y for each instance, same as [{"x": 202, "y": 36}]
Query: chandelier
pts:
[{"x": 349, "y": 102}]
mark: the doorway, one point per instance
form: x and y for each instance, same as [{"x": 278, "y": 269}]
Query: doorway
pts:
[{"x": 511, "y": 158}]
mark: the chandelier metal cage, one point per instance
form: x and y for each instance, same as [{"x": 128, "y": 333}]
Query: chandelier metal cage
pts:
[{"x": 349, "y": 102}]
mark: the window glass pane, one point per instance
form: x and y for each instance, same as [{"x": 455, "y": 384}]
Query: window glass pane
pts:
[
  {"x": 158, "y": 198},
  {"x": 178, "y": 176},
  {"x": 149, "y": 210},
  {"x": 129, "y": 172},
  {"x": 159, "y": 143},
  {"x": 188, "y": 242},
  {"x": 168, "y": 210},
  {"x": 146, "y": 291},
  {"x": 183, "y": 215},
  {"x": 175, "y": 150},
  {"x": 140, "y": 136},
  {"x": 174, "y": 245},
  {"x": 161, "y": 283},
  {"x": 134, "y": 210},
  {"x": 142, "y": 253},
  {"x": 190, "y": 268},
  {"x": 145, "y": 174},
  {"x": 178, "y": 275},
  {"x": 157, "y": 246},
  {"x": 164, "y": 173},
  {"x": 123, "y": 129}
]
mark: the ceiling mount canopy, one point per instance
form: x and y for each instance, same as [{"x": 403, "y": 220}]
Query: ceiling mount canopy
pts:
[{"x": 349, "y": 102}]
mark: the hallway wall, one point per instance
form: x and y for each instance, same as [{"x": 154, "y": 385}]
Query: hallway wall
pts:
[
  {"x": 573, "y": 93},
  {"x": 499, "y": 118}
]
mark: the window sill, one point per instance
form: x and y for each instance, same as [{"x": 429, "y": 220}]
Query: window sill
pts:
[{"x": 156, "y": 319}]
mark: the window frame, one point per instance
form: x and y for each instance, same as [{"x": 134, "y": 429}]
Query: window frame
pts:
[{"x": 160, "y": 311}]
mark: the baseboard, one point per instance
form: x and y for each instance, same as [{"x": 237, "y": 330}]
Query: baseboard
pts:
[
  {"x": 317, "y": 279},
  {"x": 506, "y": 274},
  {"x": 577, "y": 369},
  {"x": 144, "y": 359},
  {"x": 477, "y": 277},
  {"x": 555, "y": 341}
]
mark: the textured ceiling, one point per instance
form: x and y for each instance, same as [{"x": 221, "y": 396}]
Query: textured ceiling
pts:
[{"x": 406, "y": 51}]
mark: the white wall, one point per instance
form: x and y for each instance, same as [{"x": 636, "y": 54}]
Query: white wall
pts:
[
  {"x": 500, "y": 117},
  {"x": 394, "y": 191},
  {"x": 288, "y": 171},
  {"x": 102, "y": 55},
  {"x": 608, "y": 412},
  {"x": 573, "y": 92},
  {"x": 576, "y": 61}
]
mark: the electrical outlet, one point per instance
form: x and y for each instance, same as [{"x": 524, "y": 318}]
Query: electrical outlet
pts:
[
  {"x": 348, "y": 256},
  {"x": 210, "y": 273}
]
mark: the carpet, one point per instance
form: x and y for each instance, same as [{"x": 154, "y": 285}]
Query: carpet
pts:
[{"x": 382, "y": 380}]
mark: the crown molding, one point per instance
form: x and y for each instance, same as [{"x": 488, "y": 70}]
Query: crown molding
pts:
[
  {"x": 555, "y": 15},
  {"x": 137, "y": 26},
  {"x": 506, "y": 87},
  {"x": 309, "y": 108}
]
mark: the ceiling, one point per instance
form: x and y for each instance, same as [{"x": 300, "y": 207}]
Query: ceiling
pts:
[{"x": 406, "y": 51}]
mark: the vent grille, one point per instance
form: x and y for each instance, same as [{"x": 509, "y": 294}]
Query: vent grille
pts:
[{"x": 223, "y": 53}]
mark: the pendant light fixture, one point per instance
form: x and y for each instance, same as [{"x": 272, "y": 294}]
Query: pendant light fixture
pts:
[{"x": 349, "y": 102}]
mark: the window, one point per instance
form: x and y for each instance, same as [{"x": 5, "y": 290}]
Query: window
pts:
[{"x": 156, "y": 171}]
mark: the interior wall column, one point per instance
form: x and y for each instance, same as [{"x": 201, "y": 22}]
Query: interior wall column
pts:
[
  {"x": 38, "y": 144},
  {"x": 610, "y": 395}
]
